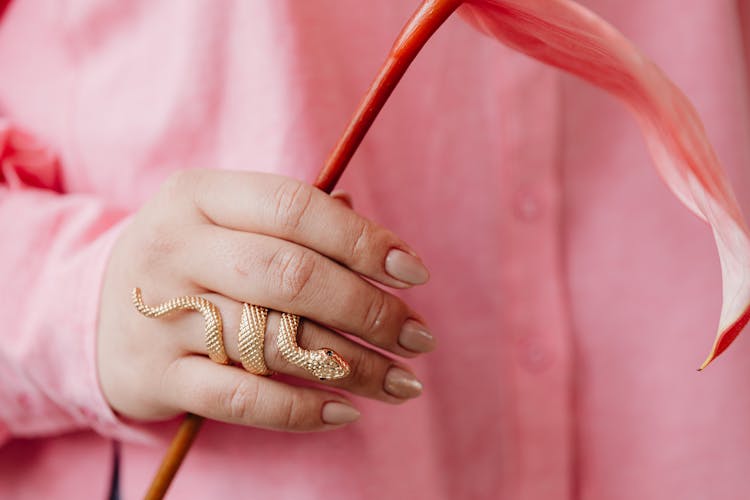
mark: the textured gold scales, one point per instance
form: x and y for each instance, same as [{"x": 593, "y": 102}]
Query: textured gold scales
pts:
[
  {"x": 252, "y": 338},
  {"x": 324, "y": 364},
  {"x": 211, "y": 316}
]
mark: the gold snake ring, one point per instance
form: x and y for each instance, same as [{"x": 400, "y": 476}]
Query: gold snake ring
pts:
[{"x": 325, "y": 363}]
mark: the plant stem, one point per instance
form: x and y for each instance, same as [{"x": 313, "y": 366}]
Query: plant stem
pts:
[
  {"x": 430, "y": 15},
  {"x": 179, "y": 447}
]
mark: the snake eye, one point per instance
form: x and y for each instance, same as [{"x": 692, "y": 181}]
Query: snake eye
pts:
[
  {"x": 329, "y": 352},
  {"x": 323, "y": 378}
]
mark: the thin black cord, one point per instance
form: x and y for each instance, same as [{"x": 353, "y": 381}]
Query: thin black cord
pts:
[{"x": 114, "y": 487}]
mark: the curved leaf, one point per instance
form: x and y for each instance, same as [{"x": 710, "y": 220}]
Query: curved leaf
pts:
[{"x": 564, "y": 34}]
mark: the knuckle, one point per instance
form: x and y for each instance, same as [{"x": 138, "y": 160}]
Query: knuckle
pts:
[
  {"x": 294, "y": 268},
  {"x": 240, "y": 401},
  {"x": 376, "y": 314},
  {"x": 364, "y": 367},
  {"x": 291, "y": 416},
  {"x": 291, "y": 200},
  {"x": 161, "y": 243},
  {"x": 180, "y": 181},
  {"x": 244, "y": 259},
  {"x": 179, "y": 190},
  {"x": 360, "y": 243}
]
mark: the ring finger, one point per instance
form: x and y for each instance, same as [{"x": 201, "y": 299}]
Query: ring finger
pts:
[{"x": 372, "y": 375}]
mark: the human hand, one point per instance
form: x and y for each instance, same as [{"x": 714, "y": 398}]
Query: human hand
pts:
[{"x": 234, "y": 237}]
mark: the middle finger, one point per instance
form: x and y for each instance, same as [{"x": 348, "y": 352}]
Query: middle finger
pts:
[{"x": 284, "y": 276}]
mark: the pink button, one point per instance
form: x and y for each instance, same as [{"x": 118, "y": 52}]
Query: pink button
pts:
[
  {"x": 527, "y": 207},
  {"x": 534, "y": 357}
]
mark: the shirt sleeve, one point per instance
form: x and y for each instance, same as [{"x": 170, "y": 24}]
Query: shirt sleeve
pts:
[{"x": 54, "y": 251}]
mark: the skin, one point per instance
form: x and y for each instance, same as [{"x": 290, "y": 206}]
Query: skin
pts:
[{"x": 235, "y": 237}]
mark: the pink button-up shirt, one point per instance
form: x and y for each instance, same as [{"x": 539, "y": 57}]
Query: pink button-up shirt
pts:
[{"x": 571, "y": 294}]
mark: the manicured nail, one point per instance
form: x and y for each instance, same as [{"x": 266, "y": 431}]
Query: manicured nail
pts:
[
  {"x": 402, "y": 384},
  {"x": 335, "y": 413},
  {"x": 405, "y": 267},
  {"x": 415, "y": 337}
]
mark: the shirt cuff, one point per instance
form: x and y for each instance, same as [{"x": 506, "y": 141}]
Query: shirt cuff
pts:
[{"x": 93, "y": 406}]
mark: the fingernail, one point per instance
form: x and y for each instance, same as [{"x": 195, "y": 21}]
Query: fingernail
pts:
[
  {"x": 405, "y": 267},
  {"x": 415, "y": 337},
  {"x": 343, "y": 197},
  {"x": 335, "y": 413},
  {"x": 402, "y": 384}
]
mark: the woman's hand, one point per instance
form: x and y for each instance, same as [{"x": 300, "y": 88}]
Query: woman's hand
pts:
[{"x": 235, "y": 237}]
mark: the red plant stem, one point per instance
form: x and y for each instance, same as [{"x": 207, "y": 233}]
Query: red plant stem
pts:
[{"x": 430, "y": 15}]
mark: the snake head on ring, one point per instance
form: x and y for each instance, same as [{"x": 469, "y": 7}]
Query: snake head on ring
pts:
[{"x": 326, "y": 364}]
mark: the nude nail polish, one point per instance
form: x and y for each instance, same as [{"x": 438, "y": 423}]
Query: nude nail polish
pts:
[
  {"x": 415, "y": 337},
  {"x": 406, "y": 267},
  {"x": 335, "y": 413},
  {"x": 402, "y": 384}
]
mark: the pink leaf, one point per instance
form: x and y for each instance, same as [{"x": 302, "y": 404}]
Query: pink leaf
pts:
[{"x": 564, "y": 34}]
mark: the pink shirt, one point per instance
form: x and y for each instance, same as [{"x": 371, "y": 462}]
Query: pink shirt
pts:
[{"x": 571, "y": 294}]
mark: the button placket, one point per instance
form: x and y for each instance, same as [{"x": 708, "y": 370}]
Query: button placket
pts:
[{"x": 536, "y": 306}]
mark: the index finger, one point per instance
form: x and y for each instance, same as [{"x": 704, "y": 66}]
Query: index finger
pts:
[{"x": 292, "y": 210}]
